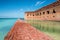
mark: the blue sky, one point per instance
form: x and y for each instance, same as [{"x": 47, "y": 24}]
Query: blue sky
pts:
[{"x": 16, "y": 8}]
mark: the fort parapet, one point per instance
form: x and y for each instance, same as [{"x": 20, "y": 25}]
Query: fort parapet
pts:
[
  {"x": 49, "y": 12},
  {"x": 24, "y": 31}
]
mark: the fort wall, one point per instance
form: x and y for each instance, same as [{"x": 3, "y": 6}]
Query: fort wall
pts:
[{"x": 50, "y": 12}]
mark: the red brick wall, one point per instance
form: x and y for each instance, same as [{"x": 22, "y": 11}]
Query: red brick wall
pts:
[{"x": 50, "y": 16}]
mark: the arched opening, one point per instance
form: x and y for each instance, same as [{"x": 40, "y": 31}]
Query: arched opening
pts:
[
  {"x": 43, "y": 12},
  {"x": 53, "y": 16},
  {"x": 27, "y": 14},
  {"x": 40, "y": 13},
  {"x": 47, "y": 12},
  {"x": 33, "y": 14},
  {"x": 54, "y": 11},
  {"x": 37, "y": 14}
]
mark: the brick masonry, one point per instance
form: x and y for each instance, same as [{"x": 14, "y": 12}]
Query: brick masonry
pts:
[
  {"x": 49, "y": 12},
  {"x": 24, "y": 31}
]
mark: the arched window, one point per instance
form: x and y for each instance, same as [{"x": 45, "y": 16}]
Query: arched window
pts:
[
  {"x": 33, "y": 14},
  {"x": 40, "y": 13},
  {"x": 54, "y": 11},
  {"x": 37, "y": 14},
  {"x": 43, "y": 12},
  {"x": 53, "y": 16},
  {"x": 47, "y": 12}
]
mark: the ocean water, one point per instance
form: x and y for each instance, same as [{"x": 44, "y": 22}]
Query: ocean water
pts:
[{"x": 5, "y": 25}]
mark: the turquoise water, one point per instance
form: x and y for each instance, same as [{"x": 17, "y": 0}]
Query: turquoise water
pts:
[{"x": 5, "y": 25}]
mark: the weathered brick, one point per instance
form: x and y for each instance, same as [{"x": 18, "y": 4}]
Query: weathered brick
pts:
[{"x": 24, "y": 31}]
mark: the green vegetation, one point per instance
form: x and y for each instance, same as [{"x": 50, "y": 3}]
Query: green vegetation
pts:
[{"x": 51, "y": 28}]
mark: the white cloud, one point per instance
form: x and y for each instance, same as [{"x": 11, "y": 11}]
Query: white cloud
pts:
[{"x": 39, "y": 2}]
